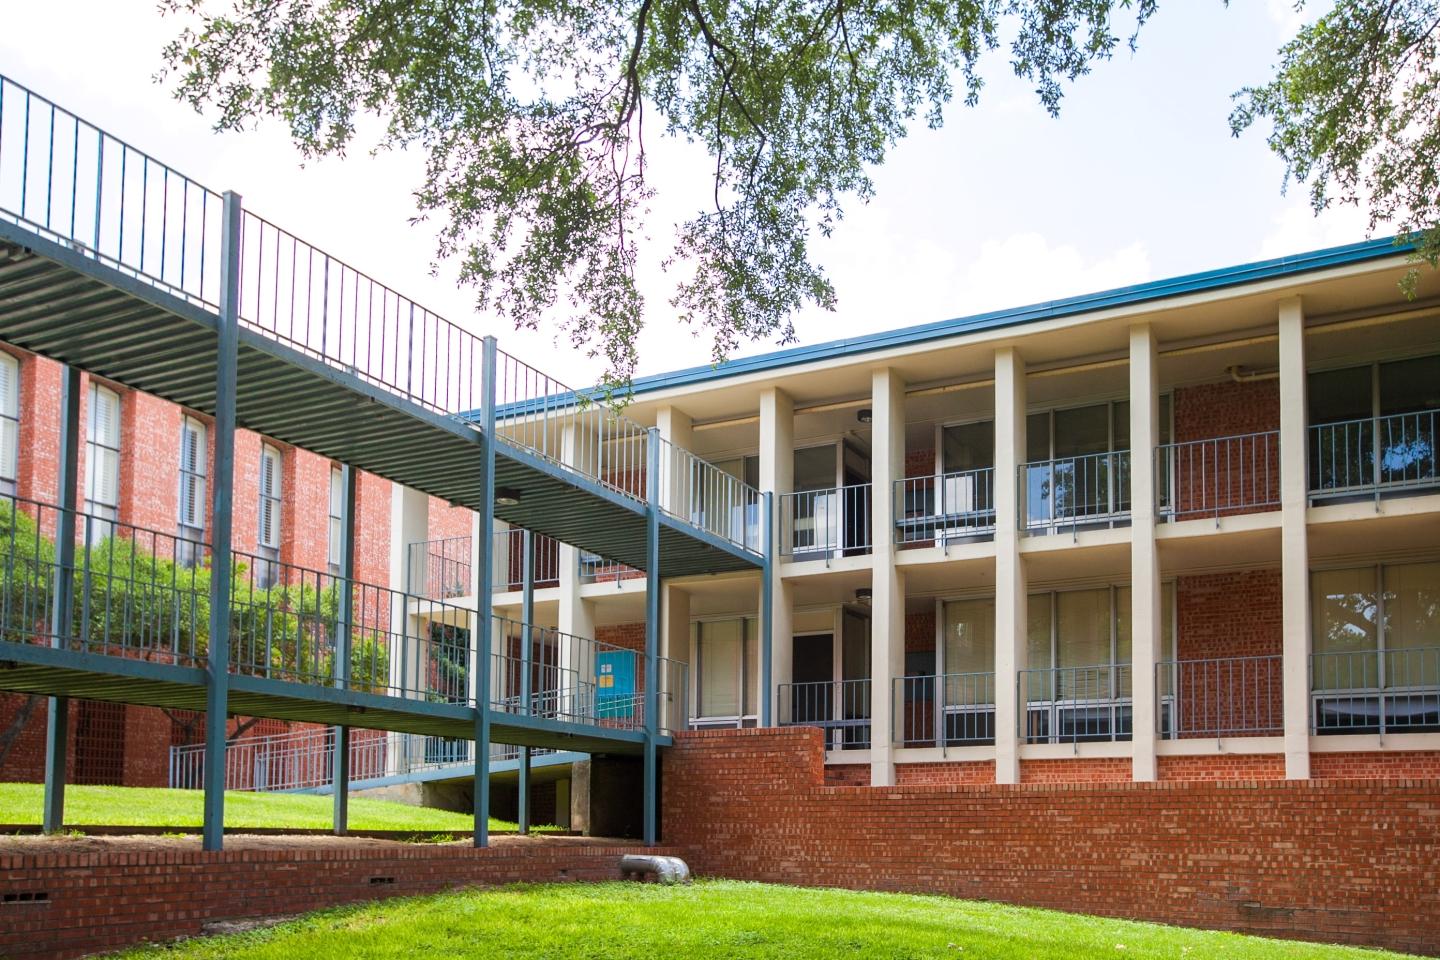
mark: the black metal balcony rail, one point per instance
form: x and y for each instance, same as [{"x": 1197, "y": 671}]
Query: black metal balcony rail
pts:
[
  {"x": 949, "y": 710},
  {"x": 1374, "y": 455},
  {"x": 1375, "y": 691},
  {"x": 841, "y": 708},
  {"x": 816, "y": 524},
  {"x": 1218, "y": 477},
  {"x": 697, "y": 491},
  {"x": 1221, "y": 697},
  {"x": 1076, "y": 704},
  {"x": 946, "y": 507},
  {"x": 1074, "y": 492},
  {"x": 439, "y": 569}
]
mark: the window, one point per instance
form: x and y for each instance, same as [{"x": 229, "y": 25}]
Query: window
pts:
[
  {"x": 726, "y": 665},
  {"x": 1374, "y": 425},
  {"x": 337, "y": 518},
  {"x": 1375, "y": 632},
  {"x": 9, "y": 422},
  {"x": 102, "y": 458},
  {"x": 192, "y": 490},
  {"x": 267, "y": 537}
]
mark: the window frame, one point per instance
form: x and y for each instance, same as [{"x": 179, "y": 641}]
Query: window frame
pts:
[
  {"x": 94, "y": 445},
  {"x": 10, "y": 427}
]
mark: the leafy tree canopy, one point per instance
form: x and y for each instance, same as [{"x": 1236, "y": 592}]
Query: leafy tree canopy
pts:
[{"x": 532, "y": 115}]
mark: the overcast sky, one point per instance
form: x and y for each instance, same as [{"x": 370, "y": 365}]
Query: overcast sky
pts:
[{"x": 1138, "y": 179}]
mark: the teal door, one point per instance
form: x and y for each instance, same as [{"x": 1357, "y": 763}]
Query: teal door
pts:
[{"x": 615, "y": 684}]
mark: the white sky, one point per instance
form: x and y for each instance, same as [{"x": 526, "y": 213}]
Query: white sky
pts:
[{"x": 1139, "y": 179}]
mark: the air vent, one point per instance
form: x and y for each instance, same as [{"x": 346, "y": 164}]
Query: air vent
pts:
[
  {"x": 381, "y": 881},
  {"x": 26, "y": 896}
]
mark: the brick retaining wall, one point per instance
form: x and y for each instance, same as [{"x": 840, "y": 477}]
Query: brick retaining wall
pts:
[
  {"x": 107, "y": 900},
  {"x": 1353, "y": 861}
]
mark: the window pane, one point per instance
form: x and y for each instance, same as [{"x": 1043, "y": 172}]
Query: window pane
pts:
[
  {"x": 1412, "y": 624},
  {"x": 1410, "y": 385},
  {"x": 1038, "y": 686},
  {"x": 1082, "y": 430},
  {"x": 718, "y": 652},
  {"x": 1343, "y": 624},
  {"x": 1037, "y": 437},
  {"x": 970, "y": 636},
  {"x": 815, "y": 468},
  {"x": 1084, "y": 634},
  {"x": 751, "y": 665},
  {"x": 1120, "y": 417},
  {"x": 968, "y": 446},
  {"x": 1337, "y": 395},
  {"x": 1124, "y": 647}
]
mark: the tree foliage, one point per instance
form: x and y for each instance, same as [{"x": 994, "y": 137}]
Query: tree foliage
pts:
[
  {"x": 1355, "y": 108},
  {"x": 533, "y": 116}
]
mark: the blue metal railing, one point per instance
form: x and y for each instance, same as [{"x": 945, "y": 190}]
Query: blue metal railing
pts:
[
  {"x": 1221, "y": 697},
  {"x": 1218, "y": 477},
  {"x": 817, "y": 524},
  {"x": 1076, "y": 704},
  {"x": 716, "y": 502},
  {"x": 1375, "y": 691},
  {"x": 1072, "y": 492},
  {"x": 1374, "y": 455},
  {"x": 951, "y": 506},
  {"x": 954, "y": 709},
  {"x": 841, "y": 708}
]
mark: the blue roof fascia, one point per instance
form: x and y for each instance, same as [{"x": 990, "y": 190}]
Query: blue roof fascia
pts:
[{"x": 1015, "y": 316}]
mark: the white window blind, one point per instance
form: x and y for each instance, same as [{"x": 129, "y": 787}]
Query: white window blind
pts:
[
  {"x": 270, "y": 494},
  {"x": 9, "y": 419},
  {"x": 102, "y": 454},
  {"x": 192, "y": 475}
]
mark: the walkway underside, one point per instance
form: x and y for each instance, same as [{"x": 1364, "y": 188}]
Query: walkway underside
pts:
[
  {"x": 66, "y": 305},
  {"x": 27, "y": 668}
]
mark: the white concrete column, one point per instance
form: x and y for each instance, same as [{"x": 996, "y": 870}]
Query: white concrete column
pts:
[
  {"x": 887, "y": 584},
  {"x": 1011, "y": 596},
  {"x": 409, "y": 523},
  {"x": 675, "y": 642},
  {"x": 777, "y": 475},
  {"x": 1145, "y": 626},
  {"x": 1294, "y": 548}
]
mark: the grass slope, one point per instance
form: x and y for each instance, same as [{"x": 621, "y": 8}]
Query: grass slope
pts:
[
  {"x": 147, "y": 807},
  {"x": 715, "y": 919}
]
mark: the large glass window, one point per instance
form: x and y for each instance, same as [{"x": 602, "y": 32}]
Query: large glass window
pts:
[
  {"x": 9, "y": 422},
  {"x": 726, "y": 662},
  {"x": 102, "y": 455},
  {"x": 1374, "y": 425},
  {"x": 970, "y": 636},
  {"x": 267, "y": 536},
  {"x": 192, "y": 489}
]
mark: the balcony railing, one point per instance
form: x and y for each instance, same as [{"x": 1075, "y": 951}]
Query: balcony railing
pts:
[
  {"x": 1075, "y": 492},
  {"x": 956, "y": 709},
  {"x": 839, "y": 707},
  {"x": 940, "y": 509},
  {"x": 596, "y": 569},
  {"x": 1218, "y": 477},
  {"x": 1076, "y": 704},
  {"x": 722, "y": 505},
  {"x": 439, "y": 569},
  {"x": 508, "y": 563},
  {"x": 1374, "y": 455},
  {"x": 1376, "y": 691},
  {"x": 1221, "y": 697},
  {"x": 817, "y": 524}
]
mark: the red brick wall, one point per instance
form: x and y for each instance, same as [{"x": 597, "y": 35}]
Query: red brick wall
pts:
[
  {"x": 103, "y": 901},
  {"x": 1375, "y": 766},
  {"x": 147, "y": 748},
  {"x": 944, "y": 773},
  {"x": 1239, "y": 476},
  {"x": 920, "y": 463},
  {"x": 372, "y": 531},
  {"x": 1076, "y": 770},
  {"x": 149, "y": 461},
  {"x": 1227, "y": 615},
  {"x": 1230, "y": 766},
  {"x": 1350, "y": 861},
  {"x": 850, "y": 774}
]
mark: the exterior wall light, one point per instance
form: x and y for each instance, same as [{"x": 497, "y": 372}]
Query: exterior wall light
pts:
[
  {"x": 507, "y": 497},
  {"x": 864, "y": 415}
]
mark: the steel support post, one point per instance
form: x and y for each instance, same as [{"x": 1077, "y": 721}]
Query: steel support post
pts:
[
  {"x": 344, "y": 632},
  {"x": 57, "y": 717},
  {"x": 222, "y": 495},
  {"x": 652, "y": 636},
  {"x": 484, "y": 614},
  {"x": 527, "y": 618}
]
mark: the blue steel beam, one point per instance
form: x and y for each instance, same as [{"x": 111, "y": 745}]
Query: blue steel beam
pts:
[
  {"x": 527, "y": 619},
  {"x": 767, "y": 609},
  {"x": 222, "y": 497},
  {"x": 346, "y": 614},
  {"x": 484, "y": 613},
  {"x": 57, "y": 720},
  {"x": 652, "y": 637}
]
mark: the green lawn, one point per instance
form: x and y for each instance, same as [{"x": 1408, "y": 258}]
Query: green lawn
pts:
[
  {"x": 719, "y": 919},
  {"x": 146, "y": 807}
]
